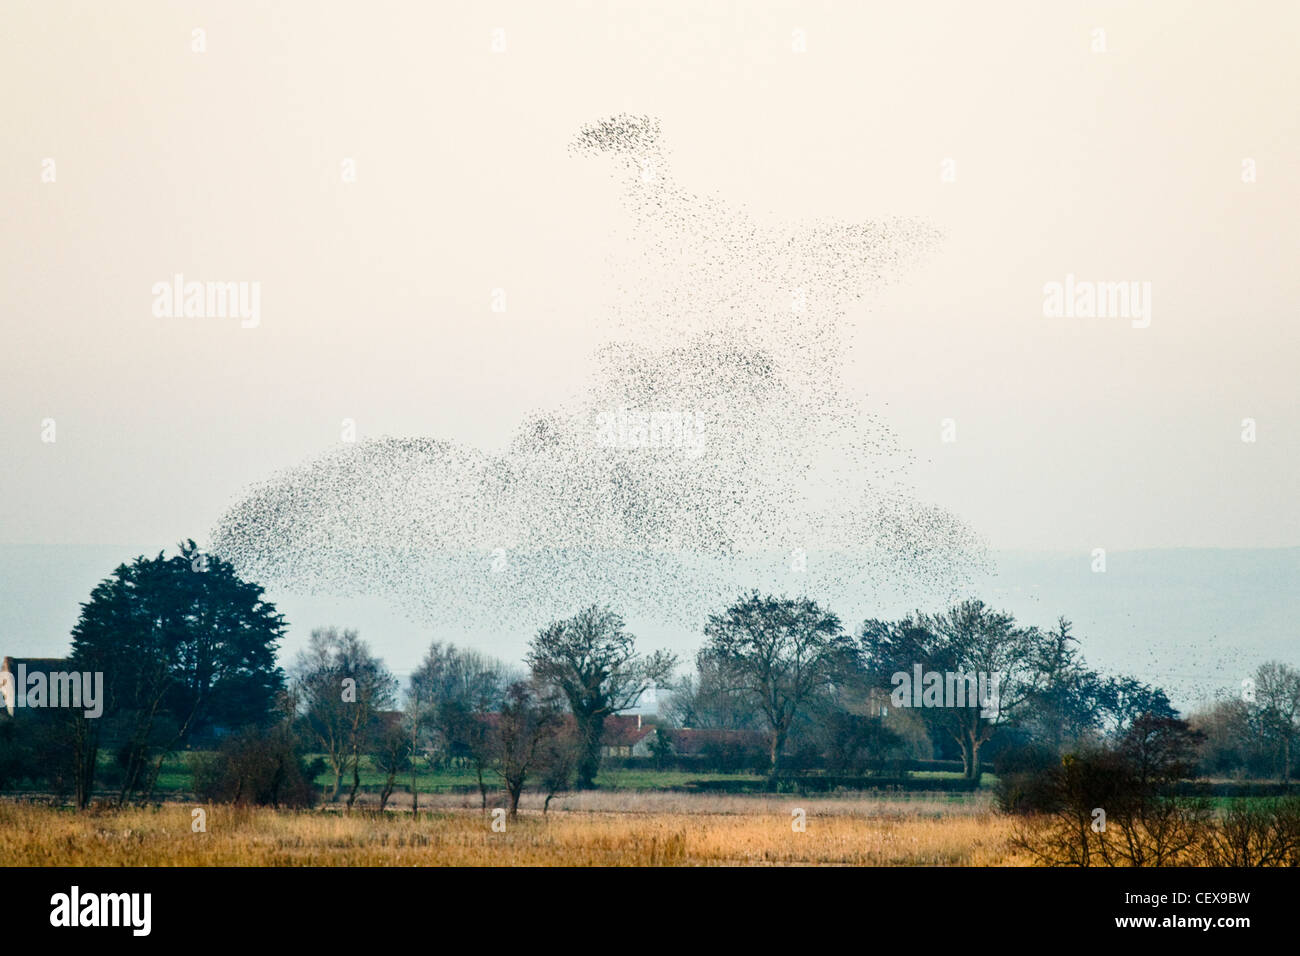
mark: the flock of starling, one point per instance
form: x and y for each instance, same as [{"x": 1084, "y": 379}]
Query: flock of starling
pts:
[{"x": 714, "y": 448}]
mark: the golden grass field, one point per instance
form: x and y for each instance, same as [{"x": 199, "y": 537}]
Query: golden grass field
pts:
[{"x": 595, "y": 829}]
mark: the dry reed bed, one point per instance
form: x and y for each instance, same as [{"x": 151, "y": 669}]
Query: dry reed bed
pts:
[{"x": 745, "y": 831}]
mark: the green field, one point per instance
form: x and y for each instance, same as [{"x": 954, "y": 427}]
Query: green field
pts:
[{"x": 176, "y": 778}]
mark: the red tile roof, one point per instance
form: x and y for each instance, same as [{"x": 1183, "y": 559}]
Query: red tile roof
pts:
[{"x": 621, "y": 730}]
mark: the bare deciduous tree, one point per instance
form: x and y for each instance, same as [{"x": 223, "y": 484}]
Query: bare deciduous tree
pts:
[
  {"x": 456, "y": 688},
  {"x": 1277, "y": 699},
  {"x": 342, "y": 687},
  {"x": 529, "y": 716},
  {"x": 780, "y": 651},
  {"x": 593, "y": 662}
]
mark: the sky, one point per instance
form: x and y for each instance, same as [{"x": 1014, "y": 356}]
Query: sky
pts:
[{"x": 1116, "y": 164}]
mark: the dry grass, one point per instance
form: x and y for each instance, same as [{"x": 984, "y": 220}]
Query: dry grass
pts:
[
  {"x": 919, "y": 804},
  {"x": 685, "y": 831}
]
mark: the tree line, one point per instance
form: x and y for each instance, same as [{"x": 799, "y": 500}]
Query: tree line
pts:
[{"x": 189, "y": 654}]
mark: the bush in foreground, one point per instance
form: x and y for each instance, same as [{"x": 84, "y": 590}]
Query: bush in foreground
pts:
[{"x": 256, "y": 769}]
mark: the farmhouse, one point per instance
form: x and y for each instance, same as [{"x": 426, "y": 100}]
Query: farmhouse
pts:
[{"x": 626, "y": 735}]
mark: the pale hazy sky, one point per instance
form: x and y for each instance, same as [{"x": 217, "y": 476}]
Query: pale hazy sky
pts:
[{"x": 225, "y": 165}]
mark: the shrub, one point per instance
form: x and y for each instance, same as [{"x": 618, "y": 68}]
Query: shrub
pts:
[
  {"x": 1116, "y": 807},
  {"x": 1027, "y": 781},
  {"x": 1265, "y": 833},
  {"x": 256, "y": 768}
]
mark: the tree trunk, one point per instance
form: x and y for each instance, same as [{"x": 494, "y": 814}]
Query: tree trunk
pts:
[
  {"x": 132, "y": 772},
  {"x": 139, "y": 745},
  {"x": 356, "y": 779},
  {"x": 153, "y": 778},
  {"x": 182, "y": 736},
  {"x": 87, "y": 756},
  {"x": 973, "y": 768},
  {"x": 970, "y": 757},
  {"x": 277, "y": 781},
  {"x": 415, "y": 749},
  {"x": 774, "y": 756},
  {"x": 337, "y": 766},
  {"x": 591, "y": 728}
]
